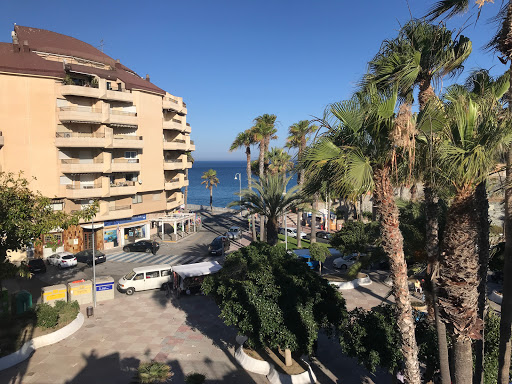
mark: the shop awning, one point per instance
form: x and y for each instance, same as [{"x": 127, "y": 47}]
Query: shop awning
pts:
[{"x": 89, "y": 226}]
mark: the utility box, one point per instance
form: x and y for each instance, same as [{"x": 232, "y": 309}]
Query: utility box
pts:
[
  {"x": 53, "y": 293},
  {"x": 80, "y": 291},
  {"x": 104, "y": 288},
  {"x": 23, "y": 302}
]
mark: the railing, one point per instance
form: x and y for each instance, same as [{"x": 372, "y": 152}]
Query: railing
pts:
[
  {"x": 67, "y": 135},
  {"x": 171, "y": 200},
  {"x": 173, "y": 161},
  {"x": 123, "y": 184},
  {"x": 124, "y": 161},
  {"x": 80, "y": 108},
  {"x": 78, "y": 161},
  {"x": 127, "y": 137},
  {"x": 171, "y": 99},
  {"x": 175, "y": 180},
  {"x": 179, "y": 141},
  {"x": 84, "y": 186},
  {"x": 119, "y": 208},
  {"x": 185, "y": 104},
  {"x": 176, "y": 121},
  {"x": 122, "y": 113}
]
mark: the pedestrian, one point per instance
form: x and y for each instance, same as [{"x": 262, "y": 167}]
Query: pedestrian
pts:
[{"x": 154, "y": 247}]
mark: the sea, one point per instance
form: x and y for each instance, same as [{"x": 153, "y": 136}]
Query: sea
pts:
[{"x": 225, "y": 191}]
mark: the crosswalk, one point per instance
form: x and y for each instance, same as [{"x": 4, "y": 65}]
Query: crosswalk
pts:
[{"x": 145, "y": 258}]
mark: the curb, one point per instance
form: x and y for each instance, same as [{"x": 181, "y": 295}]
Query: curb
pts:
[
  {"x": 306, "y": 377},
  {"x": 42, "y": 341},
  {"x": 351, "y": 284}
]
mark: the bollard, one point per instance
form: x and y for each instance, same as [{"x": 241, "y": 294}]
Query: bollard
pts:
[{"x": 90, "y": 312}]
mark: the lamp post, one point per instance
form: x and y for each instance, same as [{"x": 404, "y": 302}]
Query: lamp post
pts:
[
  {"x": 238, "y": 176},
  {"x": 285, "y": 229},
  {"x": 93, "y": 261}
]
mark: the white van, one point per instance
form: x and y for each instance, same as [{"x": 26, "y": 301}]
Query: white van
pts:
[{"x": 144, "y": 278}]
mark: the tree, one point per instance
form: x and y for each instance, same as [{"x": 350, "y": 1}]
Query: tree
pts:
[
  {"x": 279, "y": 161},
  {"x": 244, "y": 140},
  {"x": 25, "y": 215},
  {"x": 250, "y": 288},
  {"x": 210, "y": 181},
  {"x": 355, "y": 237},
  {"x": 319, "y": 252},
  {"x": 268, "y": 198},
  {"x": 356, "y": 156},
  {"x": 298, "y": 137}
]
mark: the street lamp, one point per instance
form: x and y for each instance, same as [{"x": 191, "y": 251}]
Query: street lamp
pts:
[
  {"x": 284, "y": 223},
  {"x": 93, "y": 260},
  {"x": 238, "y": 176}
]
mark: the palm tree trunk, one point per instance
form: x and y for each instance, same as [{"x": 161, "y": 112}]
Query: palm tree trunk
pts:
[
  {"x": 458, "y": 288},
  {"x": 249, "y": 181},
  {"x": 432, "y": 249},
  {"x": 211, "y": 198},
  {"x": 313, "y": 219},
  {"x": 393, "y": 246},
  {"x": 482, "y": 209},
  {"x": 299, "y": 228},
  {"x": 261, "y": 166},
  {"x": 506, "y": 305},
  {"x": 272, "y": 230}
]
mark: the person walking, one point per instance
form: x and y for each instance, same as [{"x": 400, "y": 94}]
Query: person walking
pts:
[{"x": 154, "y": 247}]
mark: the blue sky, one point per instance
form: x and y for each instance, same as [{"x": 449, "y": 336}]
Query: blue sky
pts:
[{"x": 235, "y": 60}]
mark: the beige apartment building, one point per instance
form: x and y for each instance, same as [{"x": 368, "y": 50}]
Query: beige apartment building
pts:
[{"x": 89, "y": 128}]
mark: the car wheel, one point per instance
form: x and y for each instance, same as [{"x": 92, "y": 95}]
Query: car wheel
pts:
[
  {"x": 343, "y": 267},
  {"x": 130, "y": 291},
  {"x": 147, "y": 250},
  {"x": 60, "y": 266},
  {"x": 126, "y": 249}
]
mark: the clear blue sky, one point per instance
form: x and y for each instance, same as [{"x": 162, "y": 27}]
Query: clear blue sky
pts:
[{"x": 234, "y": 60}]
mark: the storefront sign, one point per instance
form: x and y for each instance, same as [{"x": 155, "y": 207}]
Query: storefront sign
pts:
[
  {"x": 104, "y": 287},
  {"x": 124, "y": 221}
]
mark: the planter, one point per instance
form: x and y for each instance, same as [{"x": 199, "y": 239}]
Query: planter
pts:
[
  {"x": 30, "y": 346},
  {"x": 250, "y": 363},
  {"x": 342, "y": 285},
  {"x": 496, "y": 297},
  {"x": 307, "y": 377}
]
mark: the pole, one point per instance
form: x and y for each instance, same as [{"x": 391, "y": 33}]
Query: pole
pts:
[
  {"x": 93, "y": 265},
  {"x": 238, "y": 176},
  {"x": 284, "y": 223}
]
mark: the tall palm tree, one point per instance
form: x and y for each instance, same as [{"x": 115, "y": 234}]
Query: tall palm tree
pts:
[
  {"x": 502, "y": 44},
  {"x": 263, "y": 130},
  {"x": 269, "y": 198},
  {"x": 298, "y": 136},
  {"x": 244, "y": 140},
  {"x": 210, "y": 180},
  {"x": 190, "y": 159},
  {"x": 473, "y": 138},
  {"x": 280, "y": 162},
  {"x": 358, "y": 156}
]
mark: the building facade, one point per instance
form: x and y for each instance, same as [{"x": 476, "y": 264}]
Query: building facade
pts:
[{"x": 89, "y": 128}]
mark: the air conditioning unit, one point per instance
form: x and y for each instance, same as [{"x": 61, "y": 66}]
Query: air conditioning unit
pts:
[{"x": 67, "y": 135}]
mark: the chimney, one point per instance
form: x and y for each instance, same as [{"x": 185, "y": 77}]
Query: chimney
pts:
[
  {"x": 147, "y": 77},
  {"x": 118, "y": 61},
  {"x": 15, "y": 44}
]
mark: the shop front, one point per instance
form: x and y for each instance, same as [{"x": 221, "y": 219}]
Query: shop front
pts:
[{"x": 117, "y": 233}]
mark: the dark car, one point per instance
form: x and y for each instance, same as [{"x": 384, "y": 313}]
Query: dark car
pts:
[
  {"x": 321, "y": 236},
  {"x": 215, "y": 248},
  {"x": 86, "y": 257},
  {"x": 141, "y": 246},
  {"x": 36, "y": 266}
]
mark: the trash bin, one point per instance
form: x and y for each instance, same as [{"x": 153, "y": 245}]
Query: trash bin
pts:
[
  {"x": 90, "y": 312},
  {"x": 53, "y": 293},
  {"x": 104, "y": 288},
  {"x": 23, "y": 302}
]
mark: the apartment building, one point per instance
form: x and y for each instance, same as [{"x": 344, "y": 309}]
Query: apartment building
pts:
[{"x": 89, "y": 128}]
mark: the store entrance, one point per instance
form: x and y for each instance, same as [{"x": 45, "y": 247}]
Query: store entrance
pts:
[
  {"x": 88, "y": 240},
  {"x": 133, "y": 234}
]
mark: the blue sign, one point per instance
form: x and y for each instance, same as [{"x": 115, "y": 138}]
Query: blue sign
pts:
[
  {"x": 124, "y": 221},
  {"x": 104, "y": 287}
]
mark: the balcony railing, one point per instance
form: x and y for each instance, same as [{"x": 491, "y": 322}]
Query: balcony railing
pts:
[
  {"x": 84, "y": 186},
  {"x": 68, "y": 135},
  {"x": 79, "y": 161},
  {"x": 192, "y": 142},
  {"x": 122, "y": 113},
  {"x": 127, "y": 137},
  {"x": 176, "y": 121},
  {"x": 172, "y": 200},
  {"x": 123, "y": 184},
  {"x": 119, "y": 208},
  {"x": 175, "y": 180},
  {"x": 125, "y": 161},
  {"x": 171, "y": 100},
  {"x": 80, "y": 108},
  {"x": 173, "y": 161}
]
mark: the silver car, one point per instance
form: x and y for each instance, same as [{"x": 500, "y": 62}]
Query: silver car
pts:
[{"x": 234, "y": 233}]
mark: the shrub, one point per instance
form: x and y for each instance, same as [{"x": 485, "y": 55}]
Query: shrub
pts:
[
  {"x": 67, "y": 311},
  {"x": 195, "y": 378},
  {"x": 353, "y": 271},
  {"x": 47, "y": 316},
  {"x": 154, "y": 372}
]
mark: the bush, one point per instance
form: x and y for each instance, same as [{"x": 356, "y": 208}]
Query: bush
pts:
[
  {"x": 67, "y": 311},
  {"x": 154, "y": 372},
  {"x": 353, "y": 271},
  {"x": 47, "y": 316},
  {"x": 195, "y": 378}
]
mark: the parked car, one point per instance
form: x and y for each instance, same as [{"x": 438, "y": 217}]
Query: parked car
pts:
[
  {"x": 345, "y": 261},
  {"x": 62, "y": 260},
  {"x": 36, "y": 266},
  {"x": 234, "y": 233},
  {"x": 321, "y": 236},
  {"x": 215, "y": 248},
  {"x": 141, "y": 246},
  {"x": 292, "y": 232},
  {"x": 144, "y": 278},
  {"x": 86, "y": 257}
]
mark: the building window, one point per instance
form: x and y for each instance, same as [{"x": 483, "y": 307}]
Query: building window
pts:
[
  {"x": 109, "y": 86},
  {"x": 53, "y": 238},
  {"x": 137, "y": 199}
]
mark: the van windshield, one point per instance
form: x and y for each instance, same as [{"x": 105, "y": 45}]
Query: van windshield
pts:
[{"x": 129, "y": 276}]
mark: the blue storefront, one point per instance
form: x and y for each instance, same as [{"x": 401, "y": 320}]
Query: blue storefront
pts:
[{"x": 117, "y": 233}]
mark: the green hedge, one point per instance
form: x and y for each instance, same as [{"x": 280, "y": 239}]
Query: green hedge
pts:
[{"x": 61, "y": 313}]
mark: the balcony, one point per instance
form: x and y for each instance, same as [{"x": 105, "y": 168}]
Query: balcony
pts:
[
  {"x": 171, "y": 103},
  {"x": 123, "y": 188},
  {"x": 83, "y": 191},
  {"x": 127, "y": 141},
  {"x": 191, "y": 146},
  {"x": 117, "y": 212},
  {"x": 188, "y": 129},
  {"x": 175, "y": 124},
  {"x": 1, "y": 139},
  {"x": 189, "y": 164},
  {"x": 80, "y": 140},
  {"x": 175, "y": 145},
  {"x": 173, "y": 184},
  {"x": 125, "y": 165},
  {"x": 80, "y": 114},
  {"x": 78, "y": 90},
  {"x": 123, "y": 95},
  {"x": 122, "y": 118},
  {"x": 170, "y": 165},
  {"x": 173, "y": 203},
  {"x": 81, "y": 166},
  {"x": 184, "y": 108}
]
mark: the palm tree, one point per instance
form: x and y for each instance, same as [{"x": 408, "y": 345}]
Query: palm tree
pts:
[
  {"x": 299, "y": 134},
  {"x": 356, "y": 156},
  {"x": 263, "y": 130},
  {"x": 473, "y": 138},
  {"x": 280, "y": 161},
  {"x": 244, "y": 140},
  {"x": 190, "y": 159},
  {"x": 210, "y": 181},
  {"x": 269, "y": 198}
]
